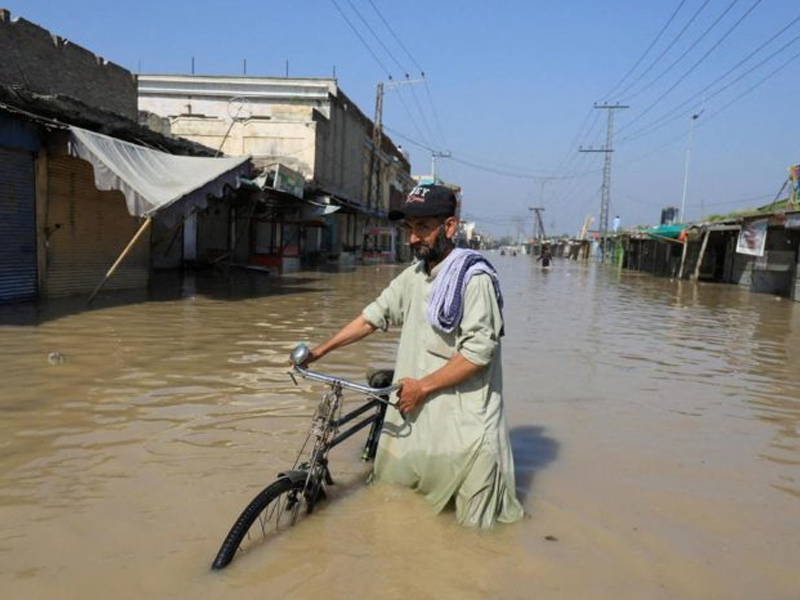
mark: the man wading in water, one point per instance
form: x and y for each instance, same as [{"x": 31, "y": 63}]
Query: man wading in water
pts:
[{"x": 455, "y": 442}]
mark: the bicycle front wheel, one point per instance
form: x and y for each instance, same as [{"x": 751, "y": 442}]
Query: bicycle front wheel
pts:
[{"x": 277, "y": 507}]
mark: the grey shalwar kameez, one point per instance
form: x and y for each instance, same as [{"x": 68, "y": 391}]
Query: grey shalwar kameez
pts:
[{"x": 456, "y": 444}]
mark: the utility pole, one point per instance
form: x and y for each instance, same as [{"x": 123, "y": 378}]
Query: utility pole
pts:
[
  {"x": 434, "y": 155},
  {"x": 375, "y": 159},
  {"x": 605, "y": 200},
  {"x": 686, "y": 165},
  {"x": 374, "y": 197},
  {"x": 538, "y": 222},
  {"x": 538, "y": 227}
]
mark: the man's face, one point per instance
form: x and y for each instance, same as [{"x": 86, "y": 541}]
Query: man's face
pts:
[{"x": 430, "y": 237}]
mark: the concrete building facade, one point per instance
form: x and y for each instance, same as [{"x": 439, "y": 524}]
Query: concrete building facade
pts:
[{"x": 307, "y": 124}]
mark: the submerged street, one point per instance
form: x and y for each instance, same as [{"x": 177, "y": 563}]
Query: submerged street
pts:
[{"x": 655, "y": 425}]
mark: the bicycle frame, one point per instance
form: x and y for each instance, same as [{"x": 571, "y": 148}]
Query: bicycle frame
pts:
[
  {"x": 305, "y": 484},
  {"x": 379, "y": 399}
]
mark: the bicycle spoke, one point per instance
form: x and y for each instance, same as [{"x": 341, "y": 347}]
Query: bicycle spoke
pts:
[
  {"x": 270, "y": 512},
  {"x": 281, "y": 505}
]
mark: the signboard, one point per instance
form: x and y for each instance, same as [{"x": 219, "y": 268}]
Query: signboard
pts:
[
  {"x": 288, "y": 180},
  {"x": 752, "y": 238}
]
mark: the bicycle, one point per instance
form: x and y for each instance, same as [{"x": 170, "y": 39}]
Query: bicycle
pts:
[{"x": 298, "y": 490}]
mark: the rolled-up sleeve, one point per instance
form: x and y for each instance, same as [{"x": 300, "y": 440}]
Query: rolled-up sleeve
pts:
[
  {"x": 387, "y": 309},
  {"x": 481, "y": 323}
]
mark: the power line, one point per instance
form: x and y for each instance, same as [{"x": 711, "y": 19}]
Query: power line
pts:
[
  {"x": 422, "y": 114},
  {"x": 479, "y": 162},
  {"x": 434, "y": 111},
  {"x": 377, "y": 38},
  {"x": 411, "y": 117},
  {"x": 695, "y": 65},
  {"x": 665, "y": 118},
  {"x": 574, "y": 143},
  {"x": 693, "y": 45},
  {"x": 422, "y": 75},
  {"x": 649, "y": 48},
  {"x": 574, "y": 161},
  {"x": 397, "y": 62},
  {"x": 667, "y": 49},
  {"x": 505, "y": 172},
  {"x": 753, "y": 87},
  {"x": 572, "y": 186},
  {"x": 363, "y": 41},
  {"x": 493, "y": 170},
  {"x": 395, "y": 36},
  {"x": 503, "y": 165},
  {"x": 577, "y": 159}
]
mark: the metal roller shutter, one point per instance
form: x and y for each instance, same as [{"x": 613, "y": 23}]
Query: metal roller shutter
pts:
[
  {"x": 89, "y": 228},
  {"x": 17, "y": 226}
]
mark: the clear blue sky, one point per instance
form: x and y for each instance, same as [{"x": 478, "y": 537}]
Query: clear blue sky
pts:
[{"x": 512, "y": 83}]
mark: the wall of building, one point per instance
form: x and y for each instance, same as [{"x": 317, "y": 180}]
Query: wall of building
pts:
[
  {"x": 773, "y": 273},
  {"x": 796, "y": 290},
  {"x": 266, "y": 141},
  {"x": 232, "y": 97},
  {"x": 88, "y": 228},
  {"x": 742, "y": 272},
  {"x": 34, "y": 59},
  {"x": 306, "y": 123},
  {"x": 271, "y": 119},
  {"x": 340, "y": 156},
  {"x": 213, "y": 233}
]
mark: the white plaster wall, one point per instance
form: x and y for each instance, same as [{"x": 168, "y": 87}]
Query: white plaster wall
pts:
[{"x": 265, "y": 140}]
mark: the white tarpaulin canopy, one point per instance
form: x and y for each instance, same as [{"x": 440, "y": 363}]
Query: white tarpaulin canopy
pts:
[{"x": 151, "y": 180}]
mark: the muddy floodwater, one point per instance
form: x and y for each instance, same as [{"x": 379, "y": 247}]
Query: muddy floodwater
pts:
[{"x": 655, "y": 425}]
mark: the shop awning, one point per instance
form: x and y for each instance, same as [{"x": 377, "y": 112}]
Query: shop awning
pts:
[
  {"x": 309, "y": 209},
  {"x": 665, "y": 231},
  {"x": 154, "y": 181},
  {"x": 351, "y": 206}
]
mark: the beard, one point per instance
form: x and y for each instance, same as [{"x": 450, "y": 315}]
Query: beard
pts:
[{"x": 435, "y": 253}]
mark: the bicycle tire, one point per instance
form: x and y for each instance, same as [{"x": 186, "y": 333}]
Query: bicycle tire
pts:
[{"x": 269, "y": 496}]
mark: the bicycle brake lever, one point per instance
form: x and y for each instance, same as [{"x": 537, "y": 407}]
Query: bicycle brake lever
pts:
[{"x": 292, "y": 376}]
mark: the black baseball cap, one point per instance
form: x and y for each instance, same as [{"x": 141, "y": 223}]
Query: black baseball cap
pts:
[{"x": 428, "y": 200}]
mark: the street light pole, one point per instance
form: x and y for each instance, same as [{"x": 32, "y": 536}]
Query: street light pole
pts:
[{"x": 686, "y": 165}]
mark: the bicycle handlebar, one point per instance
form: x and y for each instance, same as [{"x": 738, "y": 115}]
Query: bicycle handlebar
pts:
[{"x": 344, "y": 383}]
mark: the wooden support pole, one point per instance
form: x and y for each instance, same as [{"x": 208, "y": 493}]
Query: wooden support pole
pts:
[
  {"x": 683, "y": 258},
  {"x": 122, "y": 256},
  {"x": 664, "y": 238},
  {"x": 700, "y": 257}
]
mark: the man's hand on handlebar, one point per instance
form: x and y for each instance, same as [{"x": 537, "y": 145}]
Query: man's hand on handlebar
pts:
[
  {"x": 411, "y": 395},
  {"x": 313, "y": 355}
]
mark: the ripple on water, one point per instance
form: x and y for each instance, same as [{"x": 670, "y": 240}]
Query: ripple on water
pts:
[{"x": 174, "y": 413}]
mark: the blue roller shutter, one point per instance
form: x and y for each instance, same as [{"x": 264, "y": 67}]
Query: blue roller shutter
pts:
[{"x": 17, "y": 226}]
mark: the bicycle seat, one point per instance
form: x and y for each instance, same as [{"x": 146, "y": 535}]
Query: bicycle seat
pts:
[{"x": 380, "y": 378}]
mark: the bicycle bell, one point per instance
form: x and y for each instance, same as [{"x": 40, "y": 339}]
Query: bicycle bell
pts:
[{"x": 299, "y": 355}]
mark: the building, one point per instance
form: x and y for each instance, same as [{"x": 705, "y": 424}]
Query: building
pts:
[
  {"x": 302, "y": 125},
  {"x": 68, "y": 208},
  {"x": 758, "y": 250}
]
